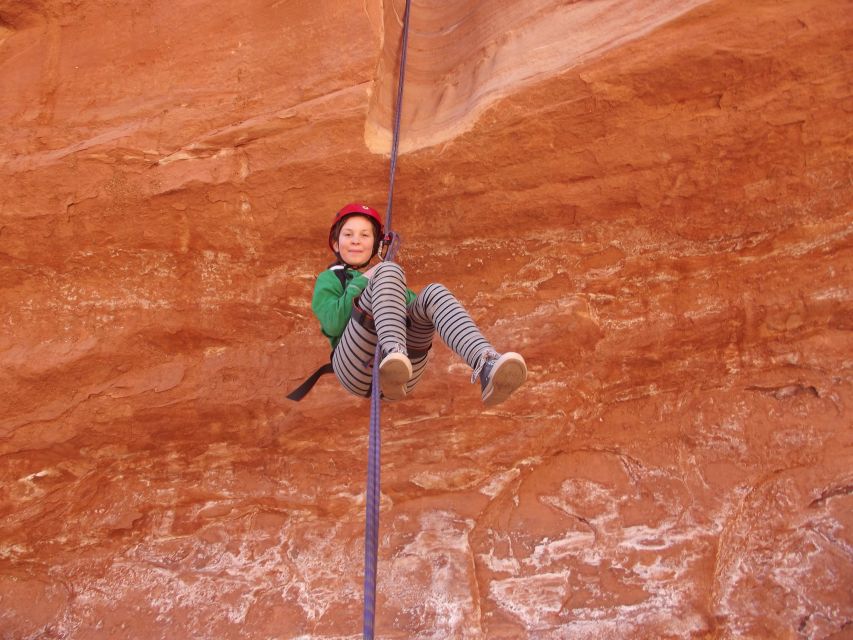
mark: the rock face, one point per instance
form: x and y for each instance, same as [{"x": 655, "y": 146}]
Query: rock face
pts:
[{"x": 650, "y": 200}]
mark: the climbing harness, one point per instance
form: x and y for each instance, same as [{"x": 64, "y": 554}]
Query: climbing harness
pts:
[{"x": 358, "y": 315}]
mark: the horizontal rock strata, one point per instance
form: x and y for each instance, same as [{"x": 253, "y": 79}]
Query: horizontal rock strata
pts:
[{"x": 649, "y": 200}]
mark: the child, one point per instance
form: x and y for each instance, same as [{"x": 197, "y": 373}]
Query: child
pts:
[{"x": 356, "y": 309}]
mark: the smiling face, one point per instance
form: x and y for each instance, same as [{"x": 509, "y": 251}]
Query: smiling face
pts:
[{"x": 355, "y": 240}]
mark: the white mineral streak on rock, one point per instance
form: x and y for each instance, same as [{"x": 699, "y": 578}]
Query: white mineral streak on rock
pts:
[{"x": 443, "y": 603}]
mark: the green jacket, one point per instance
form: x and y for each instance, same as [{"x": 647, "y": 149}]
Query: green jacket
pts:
[{"x": 332, "y": 303}]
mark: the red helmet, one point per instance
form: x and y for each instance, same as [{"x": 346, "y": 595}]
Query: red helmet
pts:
[{"x": 352, "y": 209}]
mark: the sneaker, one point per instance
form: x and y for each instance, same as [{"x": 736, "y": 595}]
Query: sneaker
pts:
[
  {"x": 500, "y": 375},
  {"x": 395, "y": 371}
]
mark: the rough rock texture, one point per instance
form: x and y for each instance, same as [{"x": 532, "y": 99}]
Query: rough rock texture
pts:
[{"x": 650, "y": 199}]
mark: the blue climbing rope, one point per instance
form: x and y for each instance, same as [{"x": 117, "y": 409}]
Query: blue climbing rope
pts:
[
  {"x": 371, "y": 526},
  {"x": 395, "y": 141}
]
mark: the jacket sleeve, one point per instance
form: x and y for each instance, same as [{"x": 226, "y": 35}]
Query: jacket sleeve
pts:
[{"x": 332, "y": 303}]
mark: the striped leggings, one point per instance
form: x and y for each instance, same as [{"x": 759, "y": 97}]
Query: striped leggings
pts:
[{"x": 400, "y": 328}]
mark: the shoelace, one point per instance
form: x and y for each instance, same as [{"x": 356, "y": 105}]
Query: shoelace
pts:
[
  {"x": 395, "y": 348},
  {"x": 488, "y": 356}
]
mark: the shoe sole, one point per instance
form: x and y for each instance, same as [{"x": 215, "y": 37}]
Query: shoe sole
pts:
[
  {"x": 394, "y": 374},
  {"x": 508, "y": 374}
]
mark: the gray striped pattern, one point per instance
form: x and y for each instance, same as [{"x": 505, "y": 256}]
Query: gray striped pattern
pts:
[{"x": 435, "y": 308}]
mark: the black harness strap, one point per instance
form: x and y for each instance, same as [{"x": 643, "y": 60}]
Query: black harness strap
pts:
[
  {"x": 302, "y": 390},
  {"x": 362, "y": 317}
]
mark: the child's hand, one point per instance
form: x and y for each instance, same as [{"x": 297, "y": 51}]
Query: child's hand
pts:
[{"x": 367, "y": 274}]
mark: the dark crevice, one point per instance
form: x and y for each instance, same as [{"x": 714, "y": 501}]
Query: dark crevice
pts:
[
  {"x": 786, "y": 391},
  {"x": 833, "y": 492}
]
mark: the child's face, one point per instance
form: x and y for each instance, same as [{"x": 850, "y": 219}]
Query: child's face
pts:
[{"x": 355, "y": 241}]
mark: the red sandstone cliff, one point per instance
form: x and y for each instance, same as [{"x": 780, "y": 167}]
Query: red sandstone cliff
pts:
[{"x": 649, "y": 199}]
